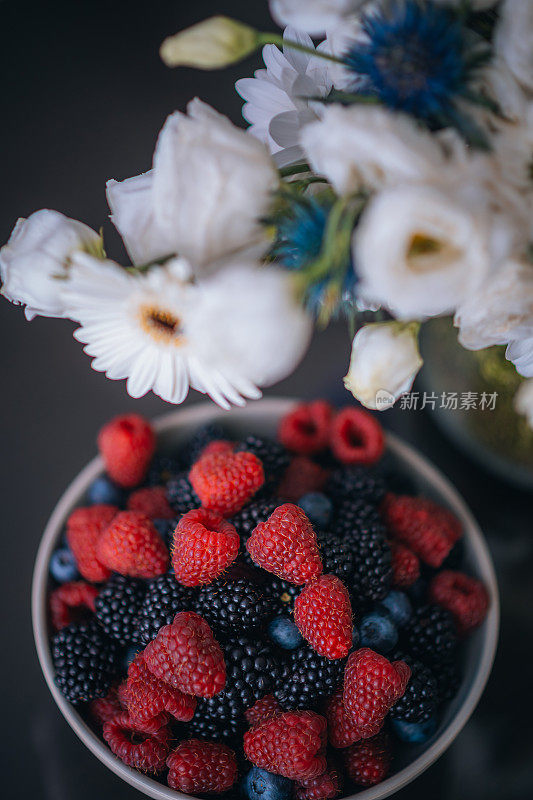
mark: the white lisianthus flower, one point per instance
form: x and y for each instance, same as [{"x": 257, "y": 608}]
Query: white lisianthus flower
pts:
[
  {"x": 313, "y": 16},
  {"x": 384, "y": 363},
  {"x": 162, "y": 332},
  {"x": 275, "y": 105},
  {"x": 421, "y": 251},
  {"x": 210, "y": 185},
  {"x": 523, "y": 401},
  {"x": 36, "y": 259},
  {"x": 513, "y": 37},
  {"x": 357, "y": 146},
  {"x": 211, "y": 44}
]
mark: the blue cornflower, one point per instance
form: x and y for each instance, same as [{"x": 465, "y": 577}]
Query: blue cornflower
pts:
[{"x": 420, "y": 58}]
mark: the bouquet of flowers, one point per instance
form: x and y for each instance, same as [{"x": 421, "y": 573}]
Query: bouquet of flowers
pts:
[{"x": 386, "y": 176}]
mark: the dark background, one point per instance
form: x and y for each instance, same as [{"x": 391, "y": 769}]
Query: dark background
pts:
[{"x": 84, "y": 95}]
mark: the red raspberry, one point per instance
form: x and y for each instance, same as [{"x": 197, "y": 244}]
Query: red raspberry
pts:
[
  {"x": 127, "y": 444},
  {"x": 150, "y": 700},
  {"x": 132, "y": 546},
  {"x": 205, "y": 767},
  {"x": 305, "y": 429},
  {"x": 372, "y": 685},
  {"x": 325, "y": 787},
  {"x": 405, "y": 566},
  {"x": 84, "y": 528},
  {"x": 205, "y": 544},
  {"x": 323, "y": 614},
  {"x": 368, "y": 762},
  {"x": 286, "y": 545},
  {"x": 143, "y": 750},
  {"x": 151, "y": 501},
  {"x": 342, "y": 731},
  {"x": 262, "y": 709},
  {"x": 225, "y": 481},
  {"x": 105, "y": 708},
  {"x": 356, "y": 437},
  {"x": 187, "y": 656},
  {"x": 290, "y": 744},
  {"x": 465, "y": 597},
  {"x": 429, "y": 530},
  {"x": 70, "y": 603},
  {"x": 217, "y": 446},
  {"x": 301, "y": 477}
]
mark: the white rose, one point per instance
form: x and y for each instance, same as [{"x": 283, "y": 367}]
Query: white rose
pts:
[
  {"x": 357, "y": 146},
  {"x": 312, "y": 16},
  {"x": 513, "y": 37},
  {"x": 37, "y": 256},
  {"x": 385, "y": 361},
  {"x": 421, "y": 251},
  {"x": 523, "y": 401},
  {"x": 210, "y": 185}
]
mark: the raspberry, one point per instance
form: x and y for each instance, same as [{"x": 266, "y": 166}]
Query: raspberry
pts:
[
  {"x": 323, "y": 615},
  {"x": 233, "y": 606},
  {"x": 305, "y": 430},
  {"x": 286, "y": 545},
  {"x": 224, "y": 482},
  {"x": 117, "y": 607},
  {"x": 431, "y": 635},
  {"x": 464, "y": 597},
  {"x": 426, "y": 528},
  {"x": 127, "y": 444},
  {"x": 84, "y": 528},
  {"x": 71, "y": 602},
  {"x": 105, "y": 708},
  {"x": 405, "y": 566},
  {"x": 325, "y": 787},
  {"x": 186, "y": 656},
  {"x": 205, "y": 544},
  {"x": 301, "y": 477},
  {"x": 84, "y": 661},
  {"x": 132, "y": 546},
  {"x": 356, "y": 437},
  {"x": 290, "y": 744},
  {"x": 372, "y": 684},
  {"x": 368, "y": 762},
  {"x": 206, "y": 767},
  {"x": 308, "y": 679},
  {"x": 163, "y": 599},
  {"x": 151, "y": 501},
  {"x": 342, "y": 730},
  {"x": 181, "y": 495},
  {"x": 272, "y": 455},
  {"x": 135, "y": 748},
  {"x": 218, "y": 446},
  {"x": 264, "y": 708},
  {"x": 150, "y": 700},
  {"x": 251, "y": 515}
]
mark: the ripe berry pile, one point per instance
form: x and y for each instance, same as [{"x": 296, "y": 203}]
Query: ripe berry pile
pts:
[{"x": 260, "y": 611}]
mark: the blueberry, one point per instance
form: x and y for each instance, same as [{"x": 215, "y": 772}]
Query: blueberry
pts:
[
  {"x": 63, "y": 565},
  {"x": 318, "y": 508},
  {"x": 284, "y": 633},
  {"x": 399, "y": 607},
  {"x": 259, "y": 784},
  {"x": 103, "y": 490},
  {"x": 378, "y": 631},
  {"x": 414, "y": 732}
]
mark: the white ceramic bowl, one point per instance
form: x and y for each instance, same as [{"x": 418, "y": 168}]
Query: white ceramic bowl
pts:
[{"x": 263, "y": 417}]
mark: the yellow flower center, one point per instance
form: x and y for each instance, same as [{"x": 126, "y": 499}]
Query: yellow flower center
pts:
[
  {"x": 161, "y": 325},
  {"x": 425, "y": 253}
]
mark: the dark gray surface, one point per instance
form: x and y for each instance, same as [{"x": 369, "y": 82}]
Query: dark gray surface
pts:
[{"x": 84, "y": 95}]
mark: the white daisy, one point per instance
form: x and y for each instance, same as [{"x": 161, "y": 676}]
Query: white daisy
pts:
[{"x": 276, "y": 105}]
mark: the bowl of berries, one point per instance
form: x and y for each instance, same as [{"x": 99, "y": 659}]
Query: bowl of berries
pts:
[{"x": 276, "y": 602}]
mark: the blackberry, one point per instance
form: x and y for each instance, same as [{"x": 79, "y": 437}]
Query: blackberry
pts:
[
  {"x": 214, "y": 720},
  {"x": 351, "y": 516},
  {"x": 166, "y": 528},
  {"x": 234, "y": 606},
  {"x": 200, "y": 439},
  {"x": 355, "y": 483},
  {"x": 448, "y": 677},
  {"x": 181, "y": 495},
  {"x": 273, "y": 455},
  {"x": 85, "y": 661},
  {"x": 309, "y": 679},
  {"x": 431, "y": 635},
  {"x": 337, "y": 556},
  {"x": 420, "y": 700},
  {"x": 163, "y": 468},
  {"x": 117, "y": 607},
  {"x": 251, "y": 515},
  {"x": 163, "y": 599},
  {"x": 283, "y": 594}
]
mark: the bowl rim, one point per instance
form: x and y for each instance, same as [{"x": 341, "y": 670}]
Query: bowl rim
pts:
[{"x": 197, "y": 415}]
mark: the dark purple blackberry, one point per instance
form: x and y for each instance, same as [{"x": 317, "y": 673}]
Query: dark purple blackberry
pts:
[
  {"x": 85, "y": 661},
  {"x": 251, "y": 515},
  {"x": 181, "y": 495},
  {"x": 310, "y": 678},
  {"x": 214, "y": 720},
  {"x": 200, "y": 439},
  {"x": 448, "y": 677},
  {"x": 166, "y": 528},
  {"x": 420, "y": 700},
  {"x": 117, "y": 608},
  {"x": 284, "y": 594},
  {"x": 163, "y": 468},
  {"x": 431, "y": 635},
  {"x": 350, "y": 516},
  {"x": 234, "y": 606},
  {"x": 163, "y": 599},
  {"x": 337, "y": 556},
  {"x": 273, "y": 455},
  {"x": 355, "y": 483}
]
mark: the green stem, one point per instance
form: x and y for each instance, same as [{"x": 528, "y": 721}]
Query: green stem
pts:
[
  {"x": 295, "y": 169},
  {"x": 274, "y": 38}
]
